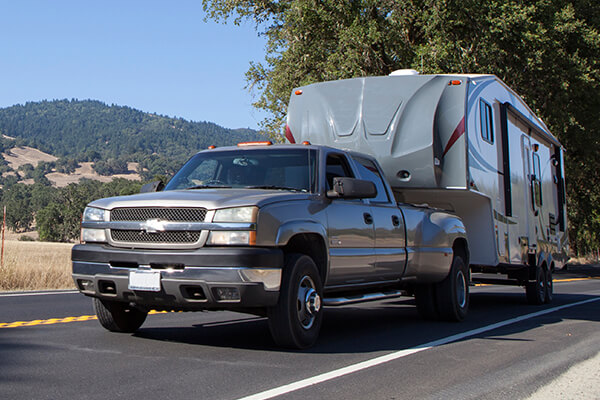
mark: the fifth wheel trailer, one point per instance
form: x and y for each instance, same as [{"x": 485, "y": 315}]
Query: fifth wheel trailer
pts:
[{"x": 463, "y": 143}]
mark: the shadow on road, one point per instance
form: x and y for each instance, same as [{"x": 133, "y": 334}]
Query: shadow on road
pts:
[{"x": 382, "y": 326}]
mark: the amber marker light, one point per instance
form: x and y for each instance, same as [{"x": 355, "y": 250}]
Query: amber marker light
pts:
[
  {"x": 212, "y": 147},
  {"x": 264, "y": 143},
  {"x": 298, "y": 92},
  {"x": 454, "y": 83},
  {"x": 306, "y": 143}
]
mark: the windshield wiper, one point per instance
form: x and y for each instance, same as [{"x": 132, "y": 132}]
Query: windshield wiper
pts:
[
  {"x": 208, "y": 187},
  {"x": 275, "y": 187}
]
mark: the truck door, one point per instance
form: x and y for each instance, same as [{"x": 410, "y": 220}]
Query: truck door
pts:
[
  {"x": 390, "y": 233},
  {"x": 350, "y": 230}
]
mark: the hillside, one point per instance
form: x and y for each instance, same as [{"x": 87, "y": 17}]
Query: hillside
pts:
[{"x": 111, "y": 136}]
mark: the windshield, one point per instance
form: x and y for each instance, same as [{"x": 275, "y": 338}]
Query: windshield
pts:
[{"x": 279, "y": 169}]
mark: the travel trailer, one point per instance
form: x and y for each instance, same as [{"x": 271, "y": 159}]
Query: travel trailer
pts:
[{"x": 462, "y": 143}]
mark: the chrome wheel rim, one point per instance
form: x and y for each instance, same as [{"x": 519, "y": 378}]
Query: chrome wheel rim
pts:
[{"x": 308, "y": 302}]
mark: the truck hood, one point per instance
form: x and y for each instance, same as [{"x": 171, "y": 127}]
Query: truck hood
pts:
[{"x": 205, "y": 198}]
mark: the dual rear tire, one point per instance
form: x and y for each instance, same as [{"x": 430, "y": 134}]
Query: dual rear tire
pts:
[{"x": 447, "y": 300}]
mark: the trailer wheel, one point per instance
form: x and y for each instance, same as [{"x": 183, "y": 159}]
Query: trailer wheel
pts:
[
  {"x": 295, "y": 321},
  {"x": 425, "y": 299},
  {"x": 536, "y": 290},
  {"x": 452, "y": 294},
  {"x": 118, "y": 317},
  {"x": 549, "y": 286}
]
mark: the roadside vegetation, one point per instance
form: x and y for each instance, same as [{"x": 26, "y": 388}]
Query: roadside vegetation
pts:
[{"x": 36, "y": 266}]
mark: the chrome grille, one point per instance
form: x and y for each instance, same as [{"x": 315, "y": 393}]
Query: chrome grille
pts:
[
  {"x": 132, "y": 236},
  {"x": 165, "y": 214}
]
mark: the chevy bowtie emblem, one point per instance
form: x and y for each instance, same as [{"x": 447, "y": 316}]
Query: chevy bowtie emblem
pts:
[{"x": 153, "y": 226}]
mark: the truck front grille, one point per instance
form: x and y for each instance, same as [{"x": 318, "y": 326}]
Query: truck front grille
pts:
[
  {"x": 130, "y": 236},
  {"x": 164, "y": 214},
  {"x": 142, "y": 214}
]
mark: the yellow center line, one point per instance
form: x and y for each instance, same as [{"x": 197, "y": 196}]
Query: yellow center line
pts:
[{"x": 52, "y": 321}]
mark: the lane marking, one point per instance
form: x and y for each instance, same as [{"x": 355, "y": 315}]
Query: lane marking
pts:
[
  {"x": 553, "y": 281},
  {"x": 301, "y": 384},
  {"x": 52, "y": 321},
  {"x": 37, "y": 293}
]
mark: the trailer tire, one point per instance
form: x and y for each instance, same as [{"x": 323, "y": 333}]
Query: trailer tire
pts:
[
  {"x": 536, "y": 290},
  {"x": 118, "y": 317},
  {"x": 452, "y": 294},
  {"x": 295, "y": 321},
  {"x": 425, "y": 300},
  {"x": 549, "y": 287}
]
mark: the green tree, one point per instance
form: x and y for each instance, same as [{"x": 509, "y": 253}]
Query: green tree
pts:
[{"x": 548, "y": 50}]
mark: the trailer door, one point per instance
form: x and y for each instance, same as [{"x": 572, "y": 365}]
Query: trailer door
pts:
[{"x": 532, "y": 193}]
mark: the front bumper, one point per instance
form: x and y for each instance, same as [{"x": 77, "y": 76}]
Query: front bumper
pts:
[{"x": 207, "y": 278}]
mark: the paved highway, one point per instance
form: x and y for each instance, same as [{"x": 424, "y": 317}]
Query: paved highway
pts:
[{"x": 51, "y": 348}]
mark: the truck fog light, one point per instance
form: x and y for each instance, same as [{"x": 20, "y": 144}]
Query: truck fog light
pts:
[
  {"x": 93, "y": 235},
  {"x": 269, "y": 277},
  {"x": 85, "y": 284},
  {"x": 227, "y": 293},
  {"x": 225, "y": 238}
]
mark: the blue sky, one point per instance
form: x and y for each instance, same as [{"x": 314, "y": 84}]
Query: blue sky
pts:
[{"x": 156, "y": 56}]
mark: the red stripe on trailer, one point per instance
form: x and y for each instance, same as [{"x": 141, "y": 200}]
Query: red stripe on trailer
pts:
[{"x": 458, "y": 132}]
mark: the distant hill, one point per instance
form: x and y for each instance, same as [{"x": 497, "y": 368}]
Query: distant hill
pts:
[{"x": 111, "y": 136}]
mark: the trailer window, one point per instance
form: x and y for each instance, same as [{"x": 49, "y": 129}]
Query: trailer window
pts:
[
  {"x": 536, "y": 181},
  {"x": 487, "y": 124}
]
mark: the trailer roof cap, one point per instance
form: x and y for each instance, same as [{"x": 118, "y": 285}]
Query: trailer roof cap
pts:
[{"x": 404, "y": 72}]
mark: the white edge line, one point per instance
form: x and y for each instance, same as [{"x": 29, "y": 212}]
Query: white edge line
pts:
[
  {"x": 37, "y": 293},
  {"x": 268, "y": 394}
]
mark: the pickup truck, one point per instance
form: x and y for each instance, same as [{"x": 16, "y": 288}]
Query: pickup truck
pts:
[{"x": 273, "y": 230}]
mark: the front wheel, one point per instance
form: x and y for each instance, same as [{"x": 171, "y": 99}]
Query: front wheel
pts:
[
  {"x": 118, "y": 317},
  {"x": 296, "y": 319}
]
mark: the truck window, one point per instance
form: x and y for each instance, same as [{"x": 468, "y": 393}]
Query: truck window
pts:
[
  {"x": 487, "y": 122},
  {"x": 368, "y": 170},
  {"x": 337, "y": 166},
  {"x": 536, "y": 181}
]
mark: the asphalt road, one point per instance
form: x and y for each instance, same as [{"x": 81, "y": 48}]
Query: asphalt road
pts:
[{"x": 383, "y": 350}]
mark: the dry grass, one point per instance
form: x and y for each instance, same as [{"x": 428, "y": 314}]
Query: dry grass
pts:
[{"x": 36, "y": 266}]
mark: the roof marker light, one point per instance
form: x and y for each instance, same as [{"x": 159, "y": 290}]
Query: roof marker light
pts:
[
  {"x": 263, "y": 143},
  {"x": 306, "y": 143},
  {"x": 454, "y": 82},
  {"x": 212, "y": 147},
  {"x": 298, "y": 92}
]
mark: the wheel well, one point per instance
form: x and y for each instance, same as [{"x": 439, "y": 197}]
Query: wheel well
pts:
[
  {"x": 313, "y": 246},
  {"x": 461, "y": 248}
]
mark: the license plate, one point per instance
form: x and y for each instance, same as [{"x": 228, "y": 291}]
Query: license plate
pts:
[{"x": 144, "y": 280}]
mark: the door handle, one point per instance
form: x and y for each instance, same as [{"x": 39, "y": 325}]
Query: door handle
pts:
[
  {"x": 368, "y": 218},
  {"x": 395, "y": 220}
]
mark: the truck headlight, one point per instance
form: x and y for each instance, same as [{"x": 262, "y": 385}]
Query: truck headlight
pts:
[
  {"x": 93, "y": 214},
  {"x": 93, "y": 235},
  {"x": 237, "y": 214},
  {"x": 227, "y": 238}
]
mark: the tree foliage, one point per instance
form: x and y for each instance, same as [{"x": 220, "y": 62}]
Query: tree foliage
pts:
[{"x": 547, "y": 50}]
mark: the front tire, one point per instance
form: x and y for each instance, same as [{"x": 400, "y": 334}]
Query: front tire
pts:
[
  {"x": 295, "y": 321},
  {"x": 118, "y": 317}
]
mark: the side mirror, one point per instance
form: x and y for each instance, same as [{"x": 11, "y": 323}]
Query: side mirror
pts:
[
  {"x": 155, "y": 186},
  {"x": 350, "y": 188}
]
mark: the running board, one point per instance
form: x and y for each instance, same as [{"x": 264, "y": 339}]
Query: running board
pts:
[{"x": 361, "y": 298}]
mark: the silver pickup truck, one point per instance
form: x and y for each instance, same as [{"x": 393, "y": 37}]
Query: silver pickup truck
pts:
[{"x": 273, "y": 230}]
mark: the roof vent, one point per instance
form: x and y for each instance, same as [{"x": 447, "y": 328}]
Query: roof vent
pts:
[{"x": 404, "y": 72}]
